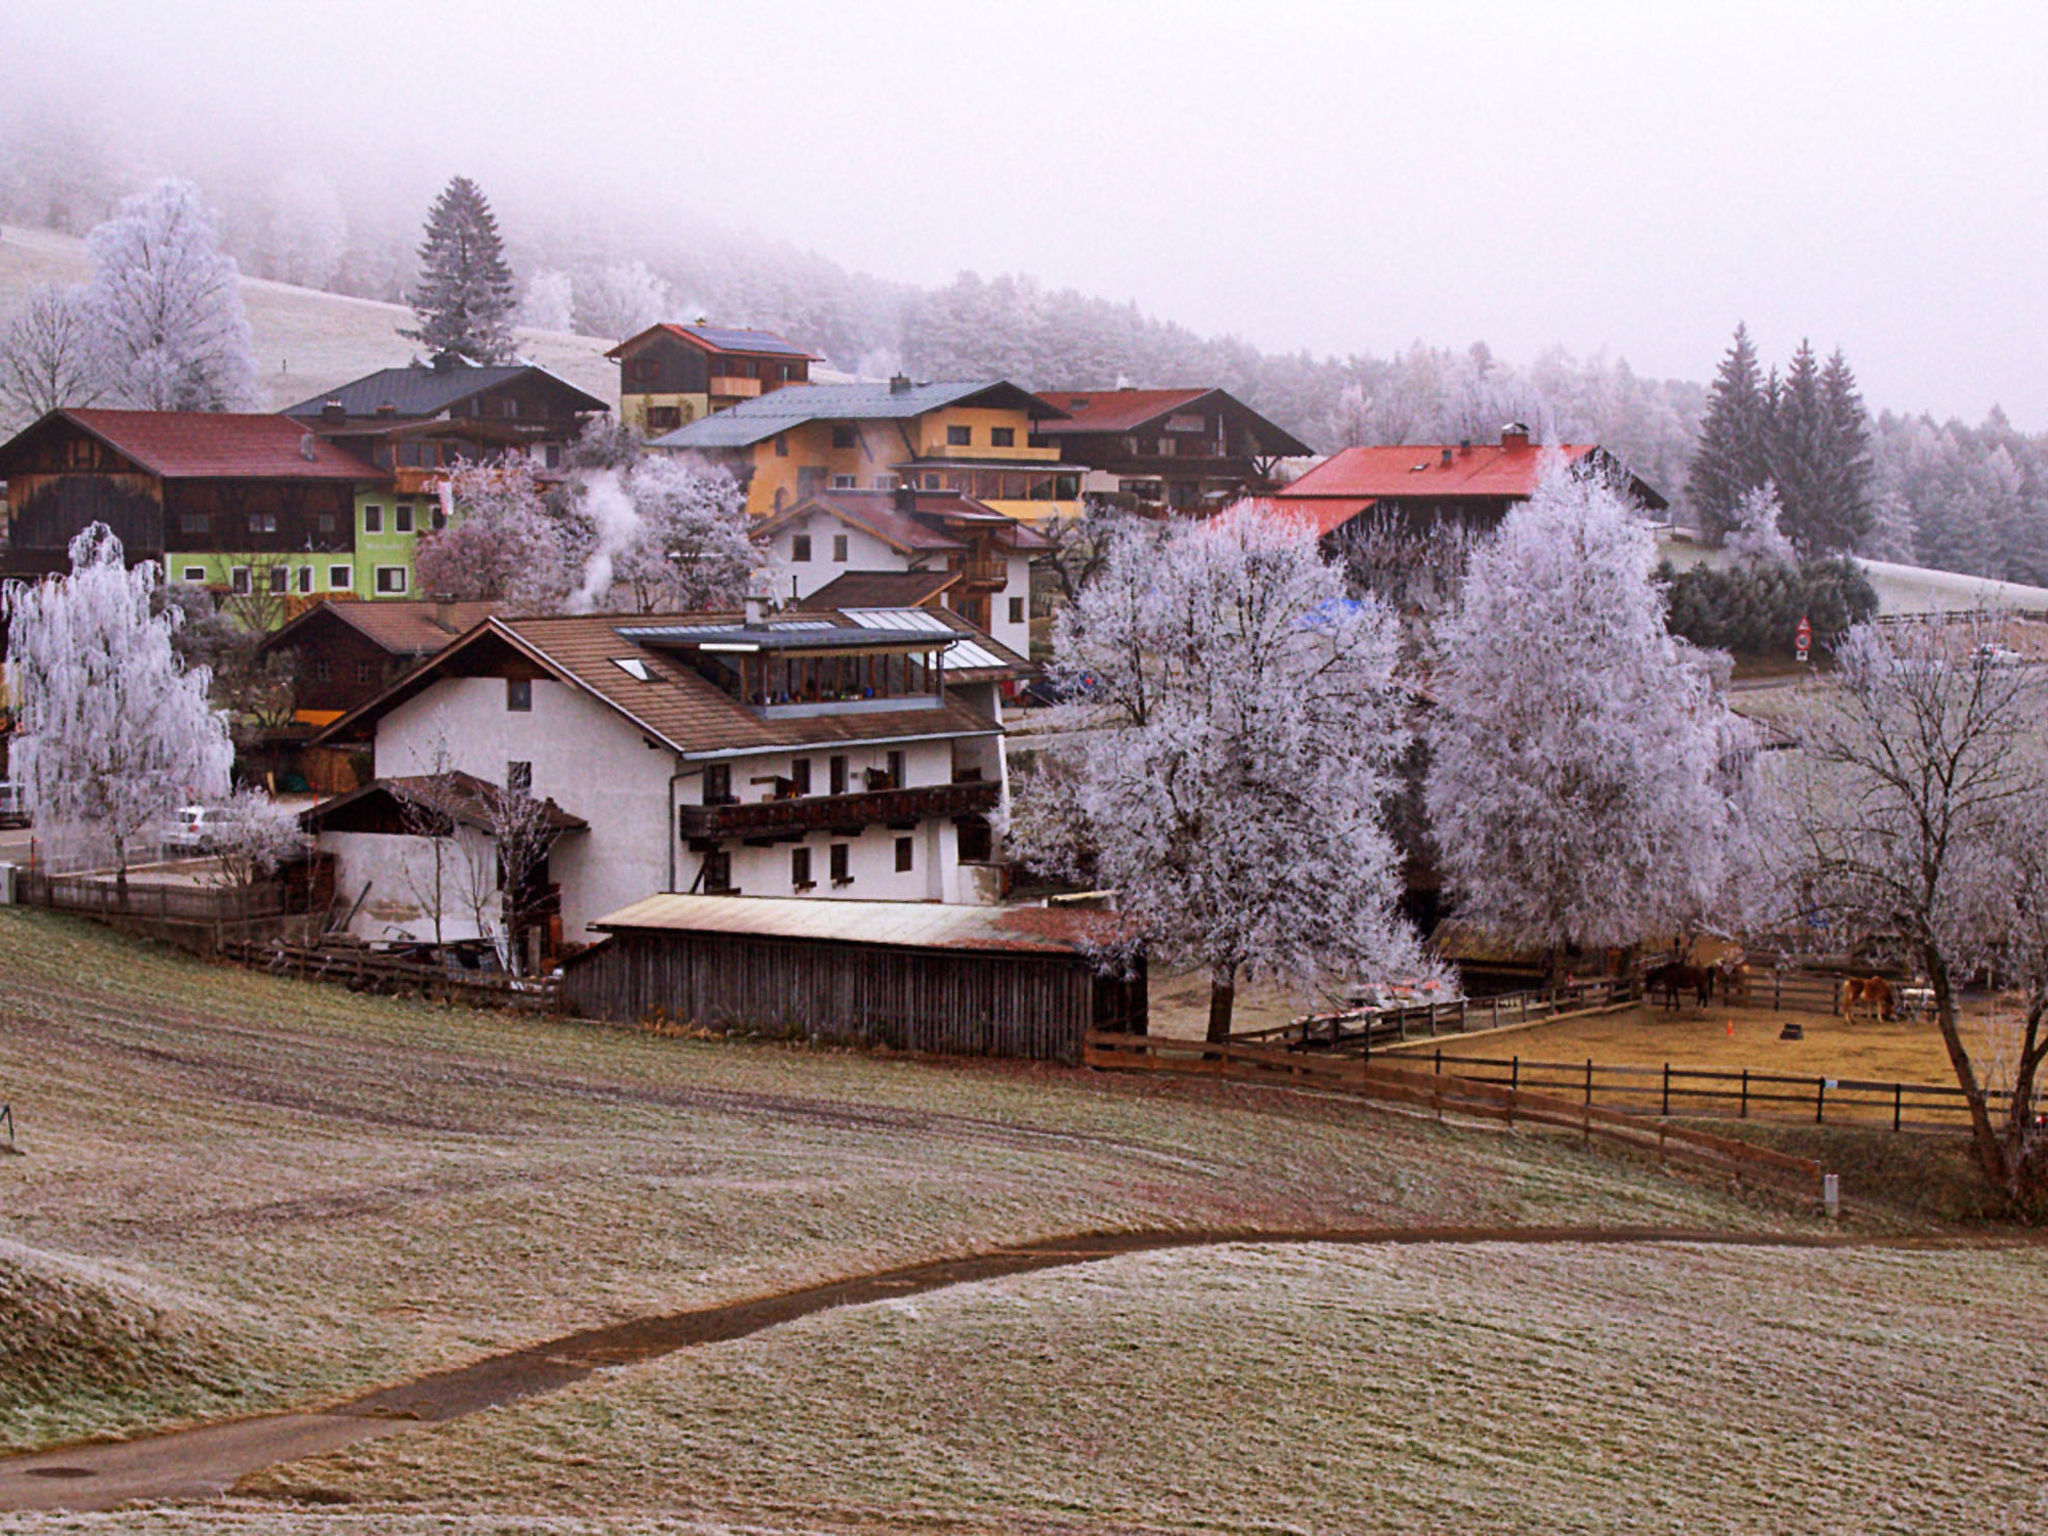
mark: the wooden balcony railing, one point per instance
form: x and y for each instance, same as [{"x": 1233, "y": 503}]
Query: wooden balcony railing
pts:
[{"x": 813, "y": 813}]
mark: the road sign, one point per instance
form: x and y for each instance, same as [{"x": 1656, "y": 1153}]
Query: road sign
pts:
[{"x": 1805, "y": 637}]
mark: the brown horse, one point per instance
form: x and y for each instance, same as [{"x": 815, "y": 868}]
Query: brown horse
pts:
[
  {"x": 1861, "y": 992},
  {"x": 1674, "y": 976}
]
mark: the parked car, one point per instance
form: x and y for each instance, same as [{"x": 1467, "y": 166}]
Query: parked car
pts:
[
  {"x": 1990, "y": 654},
  {"x": 195, "y": 830}
]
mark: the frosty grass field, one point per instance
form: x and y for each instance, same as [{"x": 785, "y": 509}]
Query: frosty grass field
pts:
[{"x": 243, "y": 1193}]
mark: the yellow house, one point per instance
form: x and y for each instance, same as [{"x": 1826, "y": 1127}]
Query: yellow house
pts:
[
  {"x": 977, "y": 438},
  {"x": 672, "y": 375}
]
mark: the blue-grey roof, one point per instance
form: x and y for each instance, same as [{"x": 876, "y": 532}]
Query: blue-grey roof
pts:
[
  {"x": 757, "y": 420},
  {"x": 727, "y": 339},
  {"x": 421, "y": 391}
]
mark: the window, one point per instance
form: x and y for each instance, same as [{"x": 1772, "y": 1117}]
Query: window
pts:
[
  {"x": 439, "y": 519},
  {"x": 263, "y": 522},
  {"x": 718, "y": 784},
  {"x": 842, "y": 864},
  {"x": 519, "y": 778},
  {"x": 196, "y": 574},
  {"x": 1016, "y": 610},
  {"x": 304, "y": 580},
  {"x": 279, "y": 579},
  {"x": 800, "y": 547},
  {"x": 800, "y": 776},
  {"x": 194, "y": 522},
  {"x": 842, "y": 437},
  {"x": 664, "y": 418},
  {"x": 238, "y": 580},
  {"x": 800, "y": 869},
  {"x": 717, "y": 874},
  {"x": 324, "y": 522},
  {"x": 845, "y": 483},
  {"x": 1002, "y": 437},
  {"x": 903, "y": 855},
  {"x": 519, "y": 695},
  {"x": 782, "y": 446},
  {"x": 895, "y": 770},
  {"x": 510, "y": 407},
  {"x": 554, "y": 456},
  {"x": 932, "y": 482},
  {"x": 959, "y": 437},
  {"x": 391, "y": 580},
  {"x": 366, "y": 672},
  {"x": 886, "y": 482},
  {"x": 340, "y": 578},
  {"x": 836, "y": 772},
  {"x": 401, "y": 518},
  {"x": 320, "y": 669},
  {"x": 373, "y": 519},
  {"x": 839, "y": 547}
]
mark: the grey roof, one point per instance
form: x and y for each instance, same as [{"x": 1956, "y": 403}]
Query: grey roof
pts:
[
  {"x": 794, "y": 405},
  {"x": 727, "y": 339},
  {"x": 910, "y": 924},
  {"x": 789, "y": 637},
  {"x": 420, "y": 391}
]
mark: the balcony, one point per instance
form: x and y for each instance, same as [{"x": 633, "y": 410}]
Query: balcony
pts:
[{"x": 819, "y": 813}]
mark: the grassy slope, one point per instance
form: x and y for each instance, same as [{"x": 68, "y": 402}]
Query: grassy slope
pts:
[
  {"x": 304, "y": 340},
  {"x": 337, "y": 1191}
]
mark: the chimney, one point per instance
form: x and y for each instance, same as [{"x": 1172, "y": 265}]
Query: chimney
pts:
[
  {"x": 331, "y": 411},
  {"x": 906, "y": 496},
  {"x": 756, "y": 611},
  {"x": 1445, "y": 458},
  {"x": 444, "y": 611},
  {"x": 1514, "y": 435},
  {"x": 1464, "y": 445},
  {"x": 309, "y": 447},
  {"x": 899, "y": 384}
]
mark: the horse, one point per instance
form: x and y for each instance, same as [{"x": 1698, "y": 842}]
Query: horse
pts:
[
  {"x": 1859, "y": 992},
  {"x": 1675, "y": 975},
  {"x": 1734, "y": 978}
]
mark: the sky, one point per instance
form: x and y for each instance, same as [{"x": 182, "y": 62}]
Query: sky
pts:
[{"x": 1337, "y": 177}]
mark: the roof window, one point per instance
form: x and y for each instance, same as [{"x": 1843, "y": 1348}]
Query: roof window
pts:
[{"x": 634, "y": 668}]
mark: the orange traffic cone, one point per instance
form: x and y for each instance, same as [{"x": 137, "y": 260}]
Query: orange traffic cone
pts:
[{"x": 1731, "y": 1029}]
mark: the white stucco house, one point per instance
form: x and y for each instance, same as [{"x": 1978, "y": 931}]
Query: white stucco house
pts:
[
  {"x": 969, "y": 558},
  {"x": 817, "y": 754}
]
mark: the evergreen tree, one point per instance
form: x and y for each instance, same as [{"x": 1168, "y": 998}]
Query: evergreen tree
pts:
[
  {"x": 1798, "y": 452},
  {"x": 1851, "y": 505},
  {"x": 464, "y": 299},
  {"x": 1732, "y": 457}
]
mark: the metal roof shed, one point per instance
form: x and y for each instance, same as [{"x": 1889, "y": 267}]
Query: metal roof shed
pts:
[{"x": 920, "y": 976}]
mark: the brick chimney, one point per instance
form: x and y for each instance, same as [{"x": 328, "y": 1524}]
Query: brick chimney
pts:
[
  {"x": 1514, "y": 435},
  {"x": 899, "y": 384}
]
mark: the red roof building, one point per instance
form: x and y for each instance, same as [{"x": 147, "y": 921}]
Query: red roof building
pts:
[{"x": 1161, "y": 449}]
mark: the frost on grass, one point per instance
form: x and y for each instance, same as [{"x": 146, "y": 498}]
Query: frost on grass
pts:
[{"x": 1496, "y": 1388}]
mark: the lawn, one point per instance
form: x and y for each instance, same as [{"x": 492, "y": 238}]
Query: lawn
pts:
[{"x": 243, "y": 1193}]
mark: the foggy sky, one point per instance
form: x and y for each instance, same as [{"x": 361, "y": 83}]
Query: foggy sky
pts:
[{"x": 1333, "y": 177}]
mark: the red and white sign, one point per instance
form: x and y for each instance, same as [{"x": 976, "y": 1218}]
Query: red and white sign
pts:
[{"x": 1805, "y": 633}]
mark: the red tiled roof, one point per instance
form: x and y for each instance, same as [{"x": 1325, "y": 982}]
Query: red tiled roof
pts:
[
  {"x": 1420, "y": 470},
  {"x": 221, "y": 445},
  {"x": 1115, "y": 410},
  {"x": 1326, "y": 513},
  {"x": 922, "y": 527},
  {"x": 881, "y": 589},
  {"x": 403, "y": 627}
]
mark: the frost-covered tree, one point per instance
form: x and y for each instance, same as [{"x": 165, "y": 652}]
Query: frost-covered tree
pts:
[
  {"x": 1244, "y": 729},
  {"x": 305, "y": 229},
  {"x": 672, "y": 536},
  {"x": 1577, "y": 786},
  {"x": 112, "y": 731},
  {"x": 620, "y": 299},
  {"x": 252, "y": 836},
  {"x": 167, "y": 307},
  {"x": 1911, "y": 818},
  {"x": 550, "y": 302},
  {"x": 49, "y": 358},
  {"x": 1754, "y": 536},
  {"x": 464, "y": 297},
  {"x": 500, "y": 543}
]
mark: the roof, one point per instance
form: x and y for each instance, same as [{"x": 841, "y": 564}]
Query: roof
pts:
[
  {"x": 881, "y": 589},
  {"x": 404, "y": 628},
  {"x": 662, "y": 697},
  {"x": 911, "y": 521},
  {"x": 718, "y": 338},
  {"x": 215, "y": 445},
  {"x": 1117, "y": 410},
  {"x": 904, "y": 924},
  {"x": 418, "y": 391},
  {"x": 1326, "y": 513},
  {"x": 973, "y": 656},
  {"x": 795, "y": 405},
  {"x": 462, "y": 797},
  {"x": 1446, "y": 472}
]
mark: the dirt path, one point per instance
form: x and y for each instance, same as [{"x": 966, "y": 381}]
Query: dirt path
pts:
[{"x": 203, "y": 1463}]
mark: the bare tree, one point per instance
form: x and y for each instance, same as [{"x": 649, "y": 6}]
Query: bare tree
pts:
[
  {"x": 1912, "y": 819},
  {"x": 48, "y": 359}
]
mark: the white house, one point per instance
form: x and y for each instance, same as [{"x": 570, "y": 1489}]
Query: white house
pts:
[
  {"x": 821, "y": 754},
  {"x": 974, "y": 560}
]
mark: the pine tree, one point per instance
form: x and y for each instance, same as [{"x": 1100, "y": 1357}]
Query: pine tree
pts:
[
  {"x": 1850, "y": 509},
  {"x": 464, "y": 299},
  {"x": 1798, "y": 454},
  {"x": 1732, "y": 456}
]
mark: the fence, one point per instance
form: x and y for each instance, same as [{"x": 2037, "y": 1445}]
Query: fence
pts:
[
  {"x": 389, "y": 976},
  {"x": 99, "y": 895},
  {"x": 1720, "y": 1094},
  {"x": 1378, "y": 1081},
  {"x": 1364, "y": 1028}
]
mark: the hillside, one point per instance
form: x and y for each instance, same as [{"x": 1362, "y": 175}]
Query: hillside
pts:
[{"x": 304, "y": 340}]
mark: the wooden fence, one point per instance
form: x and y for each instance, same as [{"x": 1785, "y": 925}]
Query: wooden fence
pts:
[
  {"x": 99, "y": 895},
  {"x": 389, "y": 976},
  {"x": 1713, "y": 1093},
  {"x": 1381, "y": 1082},
  {"x": 1363, "y": 1029}
]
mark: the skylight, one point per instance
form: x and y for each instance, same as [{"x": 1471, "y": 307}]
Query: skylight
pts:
[{"x": 634, "y": 668}]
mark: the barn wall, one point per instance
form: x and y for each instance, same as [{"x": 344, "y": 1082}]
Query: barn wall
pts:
[{"x": 1030, "y": 1005}]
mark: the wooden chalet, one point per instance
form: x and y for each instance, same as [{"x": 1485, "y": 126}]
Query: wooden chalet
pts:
[
  {"x": 416, "y": 422},
  {"x": 1158, "y": 450},
  {"x": 672, "y": 375},
  {"x": 348, "y": 652},
  {"x": 240, "y": 503},
  {"x": 977, "y": 981},
  {"x": 1424, "y": 484}
]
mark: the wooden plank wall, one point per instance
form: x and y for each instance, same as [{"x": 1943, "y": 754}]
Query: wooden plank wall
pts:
[{"x": 1029, "y": 1005}]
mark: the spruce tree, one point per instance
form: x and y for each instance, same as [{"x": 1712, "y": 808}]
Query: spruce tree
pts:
[
  {"x": 1799, "y": 455},
  {"x": 1732, "y": 457},
  {"x": 1851, "y": 511},
  {"x": 464, "y": 299}
]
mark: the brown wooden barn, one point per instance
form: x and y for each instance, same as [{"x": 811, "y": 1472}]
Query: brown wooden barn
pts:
[{"x": 922, "y": 976}]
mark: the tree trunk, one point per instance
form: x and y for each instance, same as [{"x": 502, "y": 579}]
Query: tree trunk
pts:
[
  {"x": 1222, "y": 998},
  {"x": 1991, "y": 1159}
]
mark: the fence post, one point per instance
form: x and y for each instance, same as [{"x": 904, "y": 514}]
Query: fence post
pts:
[
  {"x": 1898, "y": 1102},
  {"x": 1745, "y": 1095},
  {"x": 1667, "y": 1089},
  {"x": 1439, "y": 1061},
  {"x": 1493, "y": 1003},
  {"x": 1777, "y": 988},
  {"x": 1831, "y": 1194},
  {"x": 1515, "y": 1076},
  {"x": 1820, "y": 1100},
  {"x": 1589, "y": 1083}
]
